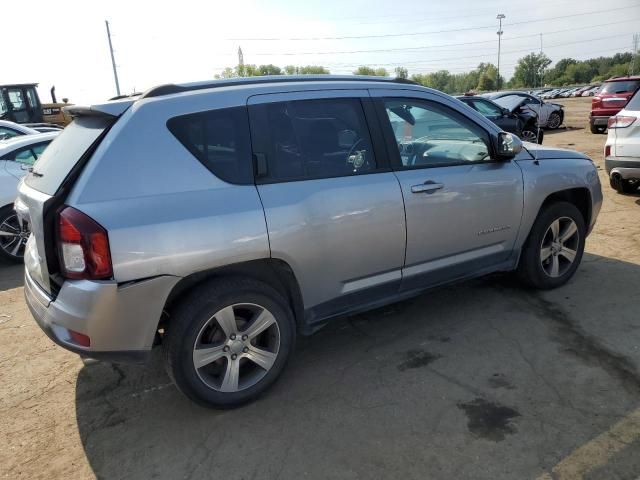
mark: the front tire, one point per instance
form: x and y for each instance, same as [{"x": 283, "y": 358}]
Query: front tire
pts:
[
  {"x": 228, "y": 341},
  {"x": 555, "y": 120},
  {"x": 554, "y": 249}
]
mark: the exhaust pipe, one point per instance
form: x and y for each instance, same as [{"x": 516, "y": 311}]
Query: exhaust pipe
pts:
[{"x": 53, "y": 94}]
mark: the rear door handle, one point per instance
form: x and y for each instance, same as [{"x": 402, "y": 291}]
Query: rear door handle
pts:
[{"x": 426, "y": 187}]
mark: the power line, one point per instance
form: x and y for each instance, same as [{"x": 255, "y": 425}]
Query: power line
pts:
[
  {"x": 431, "y": 32},
  {"x": 427, "y": 47}
]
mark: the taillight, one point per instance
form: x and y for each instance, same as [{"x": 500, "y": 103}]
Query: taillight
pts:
[
  {"x": 607, "y": 150},
  {"x": 83, "y": 247},
  {"x": 620, "y": 121}
]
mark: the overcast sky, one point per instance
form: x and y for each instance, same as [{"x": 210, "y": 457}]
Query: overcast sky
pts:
[{"x": 64, "y": 43}]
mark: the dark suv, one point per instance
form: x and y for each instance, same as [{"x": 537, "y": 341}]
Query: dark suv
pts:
[{"x": 612, "y": 97}]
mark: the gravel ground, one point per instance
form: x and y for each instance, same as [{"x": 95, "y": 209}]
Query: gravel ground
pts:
[{"x": 479, "y": 380}]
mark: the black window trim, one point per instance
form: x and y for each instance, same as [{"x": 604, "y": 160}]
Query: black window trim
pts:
[
  {"x": 373, "y": 128},
  {"x": 392, "y": 144}
]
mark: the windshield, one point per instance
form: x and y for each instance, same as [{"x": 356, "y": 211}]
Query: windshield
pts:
[
  {"x": 620, "y": 87},
  {"x": 64, "y": 152},
  {"x": 510, "y": 102}
]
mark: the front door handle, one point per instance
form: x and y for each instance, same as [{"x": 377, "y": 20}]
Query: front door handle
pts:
[{"x": 426, "y": 187}]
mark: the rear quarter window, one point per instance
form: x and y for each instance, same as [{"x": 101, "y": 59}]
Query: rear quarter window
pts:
[
  {"x": 634, "y": 103},
  {"x": 220, "y": 140}
]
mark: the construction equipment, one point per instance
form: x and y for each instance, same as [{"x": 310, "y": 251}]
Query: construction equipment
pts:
[{"x": 20, "y": 103}]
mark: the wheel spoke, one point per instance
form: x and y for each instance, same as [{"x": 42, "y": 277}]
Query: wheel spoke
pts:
[
  {"x": 568, "y": 254},
  {"x": 568, "y": 232},
  {"x": 263, "y": 321},
  {"x": 226, "y": 318},
  {"x": 4, "y": 233},
  {"x": 555, "y": 229},
  {"x": 545, "y": 253},
  {"x": 207, "y": 355},
  {"x": 231, "y": 376},
  {"x": 555, "y": 266},
  {"x": 16, "y": 248},
  {"x": 260, "y": 357}
]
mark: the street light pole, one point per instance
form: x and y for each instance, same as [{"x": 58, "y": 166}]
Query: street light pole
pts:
[{"x": 499, "y": 17}]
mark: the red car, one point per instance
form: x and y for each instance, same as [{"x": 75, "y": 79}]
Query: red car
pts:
[{"x": 612, "y": 97}]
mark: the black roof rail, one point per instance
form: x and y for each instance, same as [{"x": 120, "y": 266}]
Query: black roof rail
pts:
[{"x": 171, "y": 88}]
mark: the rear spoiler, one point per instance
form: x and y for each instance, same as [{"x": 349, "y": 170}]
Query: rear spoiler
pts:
[{"x": 109, "y": 109}]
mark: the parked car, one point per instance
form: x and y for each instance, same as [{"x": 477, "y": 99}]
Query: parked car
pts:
[
  {"x": 509, "y": 116},
  {"x": 611, "y": 98},
  {"x": 591, "y": 91},
  {"x": 16, "y": 156},
  {"x": 622, "y": 149},
  {"x": 581, "y": 90},
  {"x": 11, "y": 129},
  {"x": 255, "y": 209},
  {"x": 550, "y": 115}
]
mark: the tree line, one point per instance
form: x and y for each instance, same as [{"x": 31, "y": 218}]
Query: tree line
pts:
[{"x": 531, "y": 71}]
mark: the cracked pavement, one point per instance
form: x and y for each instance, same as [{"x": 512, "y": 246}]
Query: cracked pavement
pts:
[{"x": 481, "y": 380}]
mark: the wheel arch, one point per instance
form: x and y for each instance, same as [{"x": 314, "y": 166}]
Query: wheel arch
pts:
[
  {"x": 273, "y": 272},
  {"x": 580, "y": 197}
]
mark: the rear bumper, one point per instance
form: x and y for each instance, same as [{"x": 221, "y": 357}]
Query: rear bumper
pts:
[
  {"x": 121, "y": 321},
  {"x": 599, "y": 121},
  {"x": 627, "y": 167}
]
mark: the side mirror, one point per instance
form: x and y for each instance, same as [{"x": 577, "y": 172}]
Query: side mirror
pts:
[
  {"x": 508, "y": 146},
  {"x": 506, "y": 112}
]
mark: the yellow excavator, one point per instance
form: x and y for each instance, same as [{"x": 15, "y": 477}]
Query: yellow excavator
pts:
[{"x": 20, "y": 103}]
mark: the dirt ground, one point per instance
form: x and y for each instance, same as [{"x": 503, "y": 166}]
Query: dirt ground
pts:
[{"x": 481, "y": 380}]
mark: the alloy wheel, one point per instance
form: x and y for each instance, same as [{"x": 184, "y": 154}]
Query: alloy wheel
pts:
[
  {"x": 236, "y": 347},
  {"x": 14, "y": 234},
  {"x": 559, "y": 247},
  {"x": 554, "y": 121},
  {"x": 529, "y": 136}
]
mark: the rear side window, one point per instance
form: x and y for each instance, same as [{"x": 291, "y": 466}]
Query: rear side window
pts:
[
  {"x": 620, "y": 87},
  {"x": 64, "y": 152},
  {"x": 308, "y": 139},
  {"x": 220, "y": 140},
  {"x": 634, "y": 103}
]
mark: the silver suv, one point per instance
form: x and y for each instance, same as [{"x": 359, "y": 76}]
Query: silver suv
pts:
[{"x": 221, "y": 219}]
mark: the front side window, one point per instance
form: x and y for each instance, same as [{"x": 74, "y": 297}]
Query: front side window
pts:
[
  {"x": 16, "y": 99},
  {"x": 307, "y": 139},
  {"x": 220, "y": 140},
  {"x": 26, "y": 156},
  {"x": 486, "y": 108},
  {"x": 431, "y": 135}
]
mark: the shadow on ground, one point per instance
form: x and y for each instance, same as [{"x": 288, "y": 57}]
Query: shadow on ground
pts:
[
  {"x": 11, "y": 276},
  {"x": 479, "y": 380}
]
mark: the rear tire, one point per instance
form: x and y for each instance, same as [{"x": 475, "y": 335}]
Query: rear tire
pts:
[
  {"x": 210, "y": 349},
  {"x": 13, "y": 236},
  {"x": 548, "y": 259},
  {"x": 621, "y": 185},
  {"x": 596, "y": 130}
]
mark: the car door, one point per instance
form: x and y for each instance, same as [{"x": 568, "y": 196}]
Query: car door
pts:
[
  {"x": 540, "y": 108},
  {"x": 333, "y": 206},
  {"x": 463, "y": 207}
]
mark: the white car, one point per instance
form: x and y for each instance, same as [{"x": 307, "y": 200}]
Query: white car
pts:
[
  {"x": 17, "y": 155},
  {"x": 11, "y": 129},
  {"x": 622, "y": 150}
]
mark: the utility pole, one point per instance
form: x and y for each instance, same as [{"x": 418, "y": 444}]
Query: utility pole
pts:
[
  {"x": 542, "y": 69},
  {"x": 113, "y": 60},
  {"x": 499, "y": 18},
  {"x": 632, "y": 66},
  {"x": 240, "y": 63}
]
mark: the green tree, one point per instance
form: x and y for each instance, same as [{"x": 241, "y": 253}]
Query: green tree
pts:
[
  {"x": 374, "y": 72},
  {"x": 269, "y": 70},
  {"x": 290, "y": 70},
  {"x": 530, "y": 70},
  {"x": 402, "y": 72},
  {"x": 312, "y": 70}
]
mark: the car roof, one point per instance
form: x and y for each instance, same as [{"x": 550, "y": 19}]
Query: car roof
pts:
[
  {"x": 25, "y": 140},
  {"x": 623, "y": 79},
  {"x": 16, "y": 126}
]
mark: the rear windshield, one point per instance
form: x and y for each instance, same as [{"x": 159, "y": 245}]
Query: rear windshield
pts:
[
  {"x": 634, "y": 103},
  {"x": 64, "y": 152},
  {"x": 620, "y": 87}
]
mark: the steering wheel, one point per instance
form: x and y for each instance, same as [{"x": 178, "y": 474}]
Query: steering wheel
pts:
[{"x": 351, "y": 160}]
